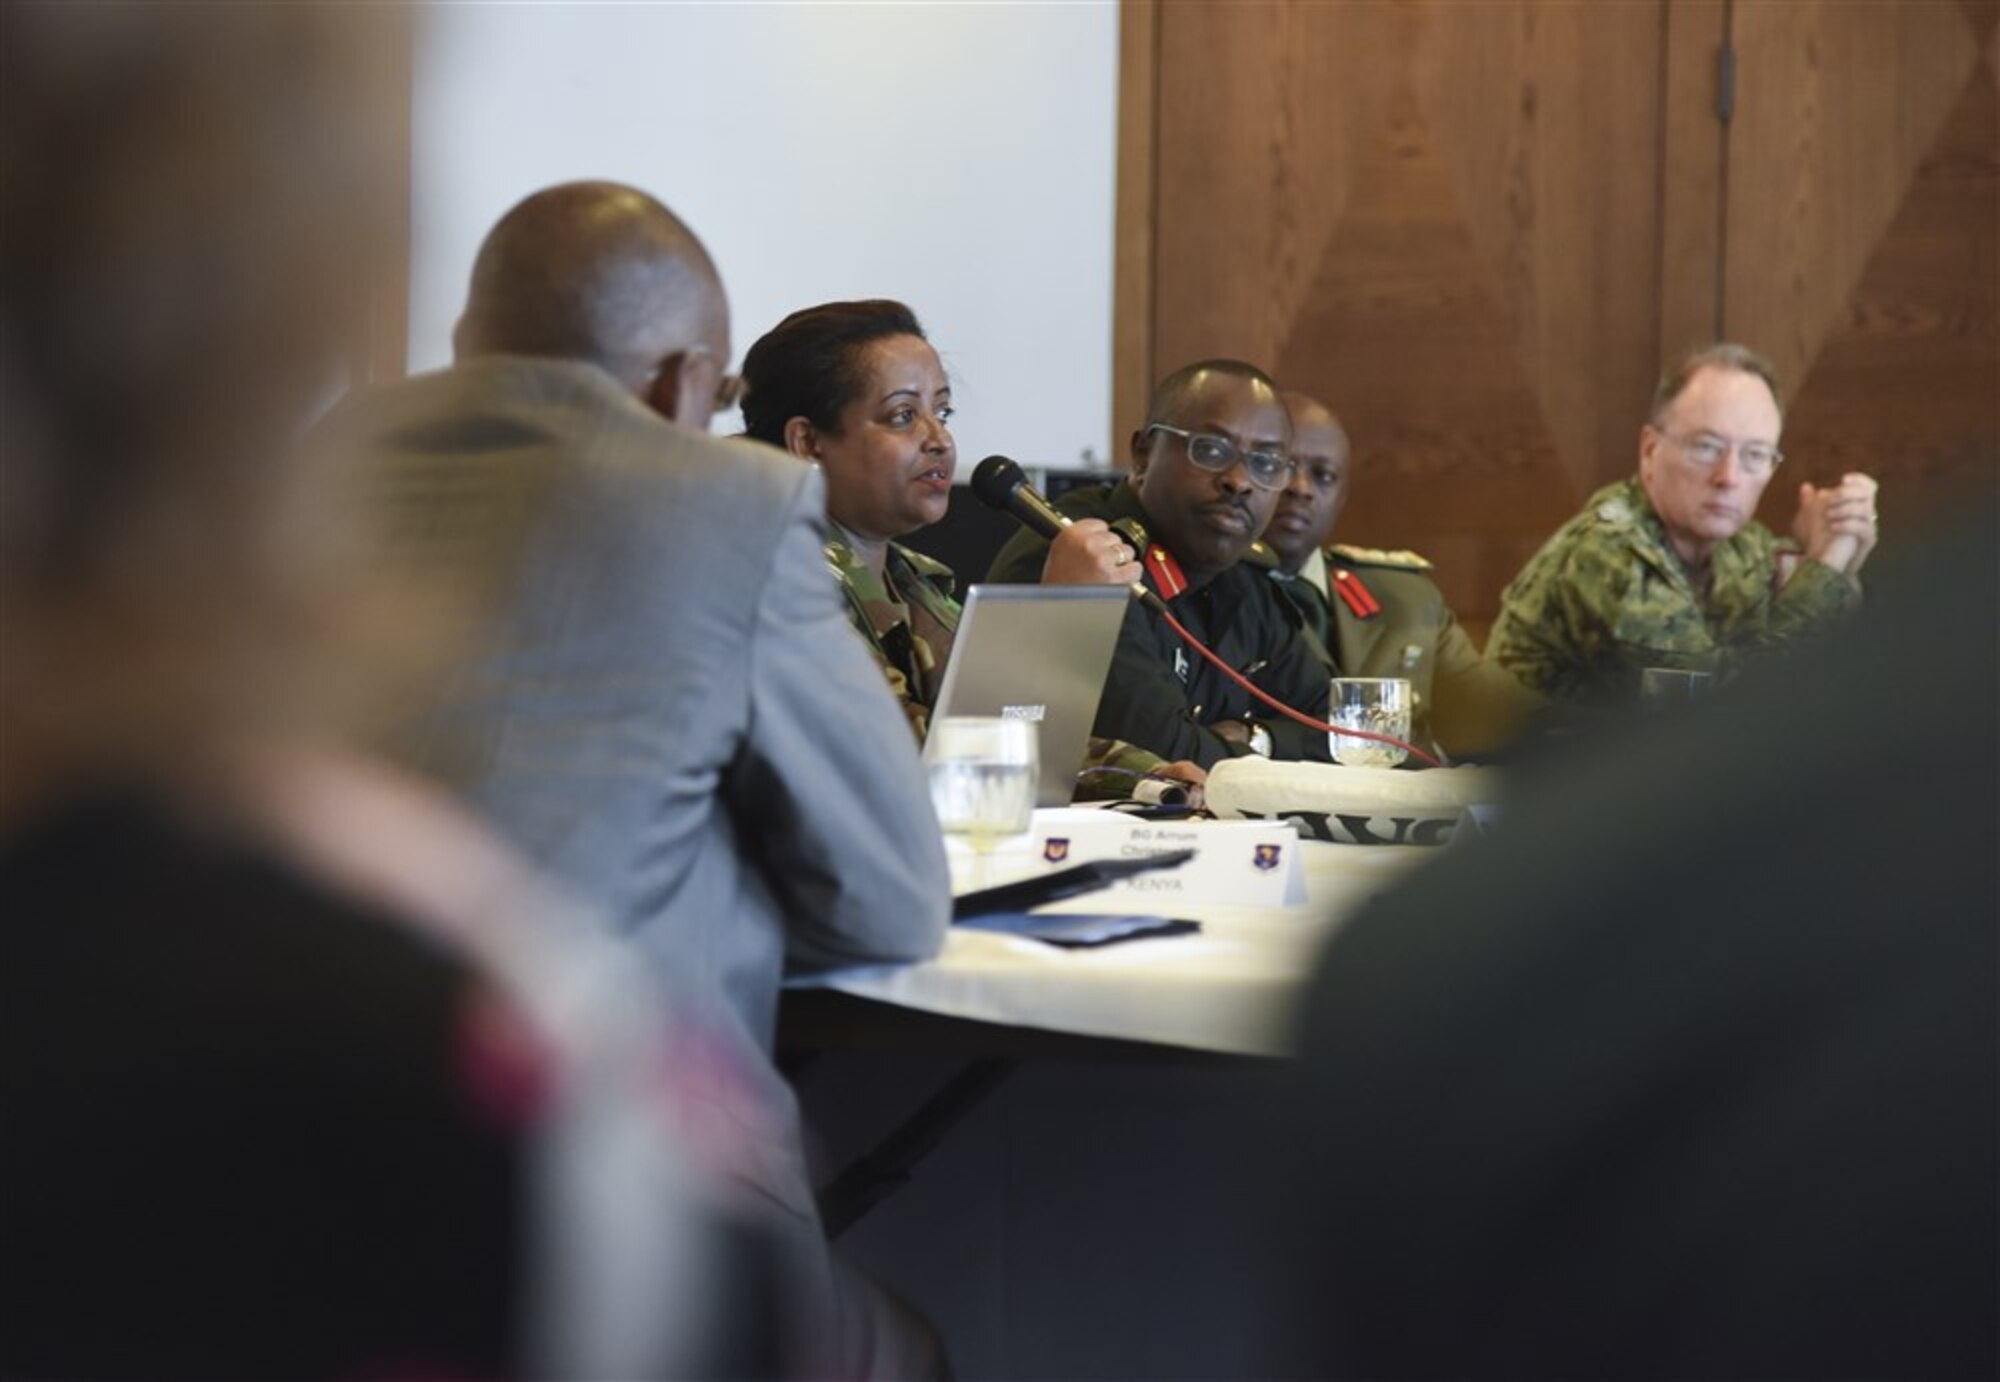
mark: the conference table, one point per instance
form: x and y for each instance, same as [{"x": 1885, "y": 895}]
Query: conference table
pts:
[
  {"x": 1228, "y": 989},
  {"x": 1049, "y": 1234}
]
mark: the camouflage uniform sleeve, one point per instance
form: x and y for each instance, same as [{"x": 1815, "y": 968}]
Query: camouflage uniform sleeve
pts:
[
  {"x": 1111, "y": 767},
  {"x": 1812, "y": 598},
  {"x": 1556, "y": 619}
]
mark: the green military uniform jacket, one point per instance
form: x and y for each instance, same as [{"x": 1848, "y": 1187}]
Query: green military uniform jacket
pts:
[
  {"x": 1369, "y": 613},
  {"x": 1608, "y": 596},
  {"x": 909, "y": 621}
]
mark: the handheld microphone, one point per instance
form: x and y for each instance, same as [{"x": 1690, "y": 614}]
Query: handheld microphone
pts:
[
  {"x": 1134, "y": 533},
  {"x": 1000, "y": 483}
]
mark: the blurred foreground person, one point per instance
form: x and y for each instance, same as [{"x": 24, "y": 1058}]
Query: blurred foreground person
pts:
[
  {"x": 1369, "y": 613},
  {"x": 1670, "y": 568},
  {"x": 663, "y": 704},
  {"x": 296, "y": 1078},
  {"x": 1689, "y": 1071}
]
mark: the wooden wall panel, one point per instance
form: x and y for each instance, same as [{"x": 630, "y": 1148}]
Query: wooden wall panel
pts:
[
  {"x": 1864, "y": 227},
  {"x": 1442, "y": 219},
  {"x": 1549, "y": 117},
  {"x": 1837, "y": 105},
  {"x": 1132, "y": 302},
  {"x": 1692, "y": 162},
  {"x": 1479, "y": 230},
  {"x": 1265, "y": 107}
]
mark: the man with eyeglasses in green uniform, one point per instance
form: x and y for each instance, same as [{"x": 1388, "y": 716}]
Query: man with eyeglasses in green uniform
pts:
[
  {"x": 1669, "y": 569},
  {"x": 1207, "y": 469}
]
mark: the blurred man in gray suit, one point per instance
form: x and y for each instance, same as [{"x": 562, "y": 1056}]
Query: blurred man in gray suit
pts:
[{"x": 662, "y": 702}]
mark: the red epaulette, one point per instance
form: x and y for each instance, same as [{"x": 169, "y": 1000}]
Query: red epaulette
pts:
[
  {"x": 1167, "y": 575},
  {"x": 1358, "y": 598}
]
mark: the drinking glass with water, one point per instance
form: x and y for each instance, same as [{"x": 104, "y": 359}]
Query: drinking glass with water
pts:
[
  {"x": 982, "y": 773},
  {"x": 1380, "y": 705}
]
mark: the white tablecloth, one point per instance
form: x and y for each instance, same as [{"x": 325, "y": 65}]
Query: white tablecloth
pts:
[{"x": 1229, "y": 989}]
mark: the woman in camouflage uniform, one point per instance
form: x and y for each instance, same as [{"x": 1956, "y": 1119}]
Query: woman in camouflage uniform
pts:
[{"x": 857, "y": 388}]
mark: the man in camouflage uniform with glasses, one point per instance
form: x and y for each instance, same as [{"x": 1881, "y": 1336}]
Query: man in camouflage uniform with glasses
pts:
[
  {"x": 1669, "y": 569},
  {"x": 1207, "y": 469}
]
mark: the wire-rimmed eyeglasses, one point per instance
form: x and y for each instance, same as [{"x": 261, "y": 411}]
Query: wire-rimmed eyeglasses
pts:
[{"x": 1706, "y": 450}]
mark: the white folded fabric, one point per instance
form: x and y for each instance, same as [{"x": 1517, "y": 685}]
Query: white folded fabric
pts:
[{"x": 1352, "y": 805}]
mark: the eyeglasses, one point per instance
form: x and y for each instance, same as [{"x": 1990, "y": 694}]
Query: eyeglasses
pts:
[
  {"x": 1706, "y": 450},
  {"x": 1219, "y": 455},
  {"x": 728, "y": 387}
]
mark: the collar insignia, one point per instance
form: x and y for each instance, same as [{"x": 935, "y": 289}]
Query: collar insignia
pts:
[{"x": 1358, "y": 598}]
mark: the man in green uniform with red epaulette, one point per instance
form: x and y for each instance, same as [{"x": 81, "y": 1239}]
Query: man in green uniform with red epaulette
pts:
[{"x": 1371, "y": 613}]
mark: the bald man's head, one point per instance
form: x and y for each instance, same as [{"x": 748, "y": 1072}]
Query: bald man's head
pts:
[
  {"x": 1173, "y": 395},
  {"x": 600, "y": 272},
  {"x": 1206, "y": 517}
]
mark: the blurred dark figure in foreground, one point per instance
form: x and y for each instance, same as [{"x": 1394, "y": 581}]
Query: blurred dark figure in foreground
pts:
[
  {"x": 1691, "y": 1071},
  {"x": 297, "y": 1077}
]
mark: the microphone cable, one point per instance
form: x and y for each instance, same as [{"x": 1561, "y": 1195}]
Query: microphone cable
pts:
[{"x": 1308, "y": 721}]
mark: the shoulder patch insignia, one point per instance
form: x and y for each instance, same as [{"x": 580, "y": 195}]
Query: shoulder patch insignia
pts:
[
  {"x": 1615, "y": 511},
  {"x": 1401, "y": 559}
]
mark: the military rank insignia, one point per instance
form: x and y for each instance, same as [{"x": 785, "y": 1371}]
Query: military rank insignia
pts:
[
  {"x": 1358, "y": 598},
  {"x": 1168, "y": 578}
]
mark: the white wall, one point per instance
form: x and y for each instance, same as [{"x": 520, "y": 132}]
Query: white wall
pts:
[{"x": 956, "y": 156}]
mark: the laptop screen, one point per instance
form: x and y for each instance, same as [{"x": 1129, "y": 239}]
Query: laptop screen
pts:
[{"x": 1036, "y": 652}]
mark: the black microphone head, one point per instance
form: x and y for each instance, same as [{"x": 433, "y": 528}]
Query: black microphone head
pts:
[{"x": 994, "y": 481}]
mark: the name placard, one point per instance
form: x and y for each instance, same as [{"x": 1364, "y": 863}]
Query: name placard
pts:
[{"x": 1236, "y": 863}]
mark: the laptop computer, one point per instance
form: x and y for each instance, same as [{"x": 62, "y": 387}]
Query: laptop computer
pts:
[{"x": 1036, "y": 652}]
